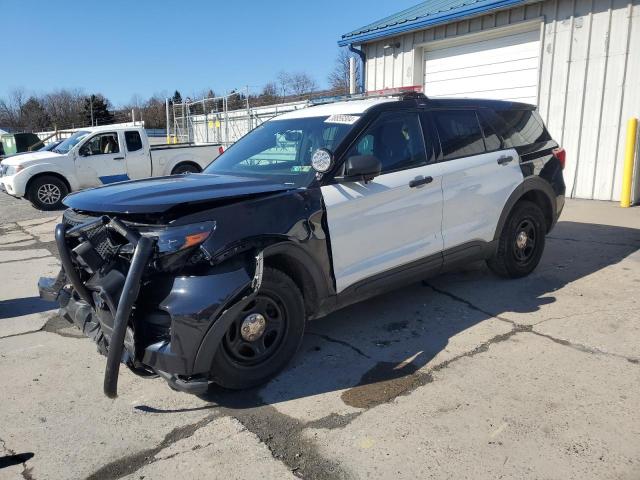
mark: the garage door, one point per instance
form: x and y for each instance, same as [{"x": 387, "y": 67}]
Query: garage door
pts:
[{"x": 503, "y": 68}]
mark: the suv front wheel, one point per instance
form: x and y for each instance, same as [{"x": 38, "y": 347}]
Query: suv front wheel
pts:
[
  {"x": 521, "y": 242},
  {"x": 263, "y": 337}
]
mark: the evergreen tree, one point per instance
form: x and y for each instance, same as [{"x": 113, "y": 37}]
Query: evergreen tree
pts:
[
  {"x": 34, "y": 116},
  {"x": 177, "y": 98},
  {"x": 96, "y": 109}
]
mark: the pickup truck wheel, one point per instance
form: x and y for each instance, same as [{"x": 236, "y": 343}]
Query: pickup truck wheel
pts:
[
  {"x": 264, "y": 337},
  {"x": 521, "y": 242},
  {"x": 185, "y": 168},
  {"x": 47, "y": 192}
]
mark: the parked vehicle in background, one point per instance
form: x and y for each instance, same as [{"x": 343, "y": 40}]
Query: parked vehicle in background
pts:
[
  {"x": 211, "y": 278},
  {"x": 12, "y": 143},
  {"x": 96, "y": 156},
  {"x": 44, "y": 148}
]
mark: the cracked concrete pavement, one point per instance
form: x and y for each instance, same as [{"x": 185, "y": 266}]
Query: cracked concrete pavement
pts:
[{"x": 463, "y": 376}]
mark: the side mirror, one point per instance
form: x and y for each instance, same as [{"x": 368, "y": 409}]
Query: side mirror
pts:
[
  {"x": 84, "y": 151},
  {"x": 292, "y": 136},
  {"x": 365, "y": 167}
]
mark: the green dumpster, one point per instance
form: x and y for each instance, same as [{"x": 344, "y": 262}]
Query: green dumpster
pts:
[{"x": 18, "y": 142}]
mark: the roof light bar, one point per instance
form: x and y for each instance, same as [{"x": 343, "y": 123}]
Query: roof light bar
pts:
[
  {"x": 412, "y": 91},
  {"x": 389, "y": 92}
]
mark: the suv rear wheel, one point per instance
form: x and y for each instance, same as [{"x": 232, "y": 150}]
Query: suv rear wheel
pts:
[
  {"x": 521, "y": 242},
  {"x": 264, "y": 336},
  {"x": 47, "y": 192}
]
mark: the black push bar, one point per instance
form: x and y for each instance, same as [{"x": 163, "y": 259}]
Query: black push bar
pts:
[
  {"x": 144, "y": 247},
  {"x": 130, "y": 292}
]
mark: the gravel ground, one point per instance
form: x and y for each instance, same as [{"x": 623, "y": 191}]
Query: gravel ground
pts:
[{"x": 16, "y": 210}]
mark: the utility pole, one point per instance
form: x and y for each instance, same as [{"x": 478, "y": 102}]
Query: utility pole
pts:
[
  {"x": 166, "y": 107},
  {"x": 248, "y": 110},
  {"x": 91, "y": 103}
]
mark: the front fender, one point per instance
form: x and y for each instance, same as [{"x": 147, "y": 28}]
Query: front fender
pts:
[
  {"x": 49, "y": 167},
  {"x": 200, "y": 308}
]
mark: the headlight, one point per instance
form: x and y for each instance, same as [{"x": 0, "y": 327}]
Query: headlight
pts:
[
  {"x": 13, "y": 169},
  {"x": 174, "y": 239}
]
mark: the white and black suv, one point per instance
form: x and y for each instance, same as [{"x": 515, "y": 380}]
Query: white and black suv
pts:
[{"x": 211, "y": 277}]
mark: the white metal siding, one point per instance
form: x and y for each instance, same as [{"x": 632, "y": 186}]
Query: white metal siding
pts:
[
  {"x": 503, "y": 68},
  {"x": 588, "y": 82}
]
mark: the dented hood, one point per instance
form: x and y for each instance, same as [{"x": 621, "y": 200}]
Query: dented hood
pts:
[{"x": 157, "y": 195}]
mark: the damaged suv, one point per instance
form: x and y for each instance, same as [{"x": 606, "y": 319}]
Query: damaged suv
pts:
[{"x": 210, "y": 277}]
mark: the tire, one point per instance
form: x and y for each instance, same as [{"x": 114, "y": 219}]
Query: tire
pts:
[
  {"x": 521, "y": 242},
  {"x": 238, "y": 363},
  {"x": 182, "y": 168},
  {"x": 47, "y": 192}
]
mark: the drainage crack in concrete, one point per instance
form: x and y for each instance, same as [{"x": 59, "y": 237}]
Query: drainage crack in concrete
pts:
[
  {"x": 598, "y": 242},
  {"x": 26, "y": 472},
  {"x": 22, "y": 333},
  {"x": 50, "y": 326},
  {"x": 529, "y": 328},
  {"x": 132, "y": 463},
  {"x": 340, "y": 342},
  {"x": 587, "y": 349},
  {"x": 468, "y": 304},
  {"x": 283, "y": 436},
  {"x": 25, "y": 259},
  {"x": 50, "y": 246}
]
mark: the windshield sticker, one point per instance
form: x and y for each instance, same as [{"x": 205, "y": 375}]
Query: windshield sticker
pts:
[
  {"x": 344, "y": 119},
  {"x": 301, "y": 168}
]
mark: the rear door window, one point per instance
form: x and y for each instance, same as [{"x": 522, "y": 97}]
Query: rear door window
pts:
[
  {"x": 133, "y": 141},
  {"x": 460, "y": 133},
  {"x": 519, "y": 128},
  {"x": 492, "y": 141}
]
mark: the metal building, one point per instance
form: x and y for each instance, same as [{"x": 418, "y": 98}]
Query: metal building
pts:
[{"x": 578, "y": 60}]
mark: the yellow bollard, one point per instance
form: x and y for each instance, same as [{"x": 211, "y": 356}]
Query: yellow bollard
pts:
[{"x": 629, "y": 157}]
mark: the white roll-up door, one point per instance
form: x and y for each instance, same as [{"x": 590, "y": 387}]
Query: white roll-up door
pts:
[{"x": 503, "y": 68}]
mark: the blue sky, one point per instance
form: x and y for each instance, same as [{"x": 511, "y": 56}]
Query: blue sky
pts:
[{"x": 121, "y": 48}]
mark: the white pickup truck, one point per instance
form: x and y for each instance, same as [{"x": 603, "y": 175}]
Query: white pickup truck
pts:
[{"x": 96, "y": 156}]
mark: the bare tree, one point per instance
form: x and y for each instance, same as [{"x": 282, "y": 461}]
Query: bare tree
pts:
[
  {"x": 296, "y": 84},
  {"x": 11, "y": 109},
  {"x": 153, "y": 112},
  {"x": 34, "y": 116},
  {"x": 301, "y": 83},
  {"x": 283, "y": 83},
  {"x": 64, "y": 107},
  {"x": 339, "y": 76},
  {"x": 268, "y": 95}
]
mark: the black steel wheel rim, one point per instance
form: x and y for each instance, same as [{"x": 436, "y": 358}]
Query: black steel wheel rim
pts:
[
  {"x": 525, "y": 240},
  {"x": 250, "y": 353}
]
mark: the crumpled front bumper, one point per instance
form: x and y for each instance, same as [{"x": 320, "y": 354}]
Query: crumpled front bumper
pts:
[{"x": 191, "y": 312}]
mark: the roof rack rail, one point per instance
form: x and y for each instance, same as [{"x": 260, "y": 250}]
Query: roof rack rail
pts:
[{"x": 405, "y": 93}]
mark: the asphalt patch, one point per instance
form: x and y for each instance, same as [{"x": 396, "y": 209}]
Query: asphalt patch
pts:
[{"x": 384, "y": 382}]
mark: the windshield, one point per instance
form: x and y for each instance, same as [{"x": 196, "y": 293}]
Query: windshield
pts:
[
  {"x": 71, "y": 142},
  {"x": 280, "y": 150}
]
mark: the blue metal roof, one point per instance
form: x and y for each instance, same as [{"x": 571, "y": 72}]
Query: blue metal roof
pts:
[{"x": 426, "y": 14}]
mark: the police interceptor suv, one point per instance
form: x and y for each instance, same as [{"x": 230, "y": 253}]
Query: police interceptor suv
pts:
[{"x": 210, "y": 278}]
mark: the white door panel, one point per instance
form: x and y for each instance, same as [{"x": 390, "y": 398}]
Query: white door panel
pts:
[
  {"x": 504, "y": 68},
  {"x": 101, "y": 168},
  {"x": 475, "y": 190},
  {"x": 383, "y": 224}
]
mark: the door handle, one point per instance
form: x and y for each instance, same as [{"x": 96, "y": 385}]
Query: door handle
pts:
[
  {"x": 420, "y": 181},
  {"x": 118, "y": 158},
  {"x": 505, "y": 159}
]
